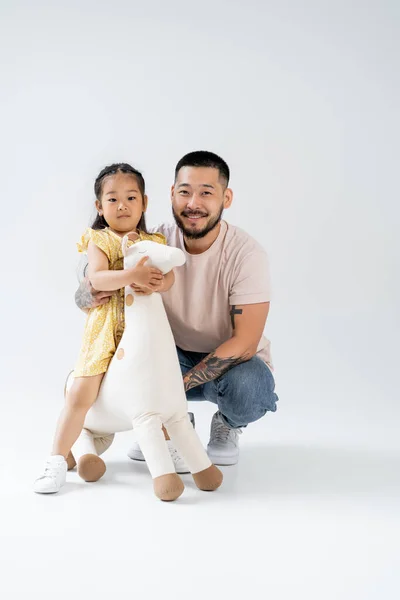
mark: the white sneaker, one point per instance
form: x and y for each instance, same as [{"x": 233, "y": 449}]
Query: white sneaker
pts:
[
  {"x": 135, "y": 453},
  {"x": 179, "y": 463},
  {"x": 54, "y": 476},
  {"x": 223, "y": 447}
]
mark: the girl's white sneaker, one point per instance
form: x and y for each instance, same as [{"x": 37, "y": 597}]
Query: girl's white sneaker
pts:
[{"x": 54, "y": 476}]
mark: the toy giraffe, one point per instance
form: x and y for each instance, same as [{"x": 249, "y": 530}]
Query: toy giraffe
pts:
[{"x": 143, "y": 390}]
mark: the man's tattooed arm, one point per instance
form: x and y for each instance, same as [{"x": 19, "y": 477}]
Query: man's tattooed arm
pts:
[
  {"x": 211, "y": 367},
  {"x": 85, "y": 296},
  {"x": 248, "y": 323},
  {"x": 235, "y": 311}
]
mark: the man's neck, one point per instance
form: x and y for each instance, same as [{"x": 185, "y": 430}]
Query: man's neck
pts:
[{"x": 202, "y": 244}]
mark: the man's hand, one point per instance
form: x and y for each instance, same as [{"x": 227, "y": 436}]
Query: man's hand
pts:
[
  {"x": 86, "y": 297},
  {"x": 163, "y": 285},
  {"x": 142, "y": 290}
]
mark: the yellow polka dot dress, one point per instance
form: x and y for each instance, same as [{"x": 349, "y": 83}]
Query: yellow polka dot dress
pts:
[{"x": 105, "y": 324}]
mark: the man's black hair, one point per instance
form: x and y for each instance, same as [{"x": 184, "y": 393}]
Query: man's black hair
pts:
[{"x": 202, "y": 158}]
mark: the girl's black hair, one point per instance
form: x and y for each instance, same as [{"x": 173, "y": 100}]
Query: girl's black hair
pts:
[{"x": 100, "y": 222}]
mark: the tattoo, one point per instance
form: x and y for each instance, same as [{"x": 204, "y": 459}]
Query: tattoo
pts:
[
  {"x": 83, "y": 295},
  {"x": 211, "y": 367},
  {"x": 82, "y": 268},
  {"x": 235, "y": 311}
]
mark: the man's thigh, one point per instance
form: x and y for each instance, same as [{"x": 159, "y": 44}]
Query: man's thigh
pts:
[{"x": 244, "y": 393}]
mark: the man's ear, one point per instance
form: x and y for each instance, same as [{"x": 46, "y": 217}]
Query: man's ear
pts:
[
  {"x": 172, "y": 192},
  {"x": 228, "y": 198}
]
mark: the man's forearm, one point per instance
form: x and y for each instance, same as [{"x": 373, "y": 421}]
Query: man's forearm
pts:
[
  {"x": 83, "y": 295},
  {"x": 225, "y": 357}
]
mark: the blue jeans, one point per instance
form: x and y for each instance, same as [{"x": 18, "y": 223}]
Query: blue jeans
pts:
[{"x": 243, "y": 395}]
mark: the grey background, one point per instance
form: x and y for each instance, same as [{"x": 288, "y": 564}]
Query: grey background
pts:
[
  {"x": 301, "y": 99},
  {"x": 302, "y": 102}
]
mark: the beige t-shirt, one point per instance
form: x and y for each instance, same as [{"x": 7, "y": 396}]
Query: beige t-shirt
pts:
[{"x": 234, "y": 270}]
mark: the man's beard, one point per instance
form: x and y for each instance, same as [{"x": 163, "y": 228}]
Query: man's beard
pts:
[{"x": 193, "y": 234}]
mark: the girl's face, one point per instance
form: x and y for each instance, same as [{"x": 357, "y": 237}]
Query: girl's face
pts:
[{"x": 121, "y": 203}]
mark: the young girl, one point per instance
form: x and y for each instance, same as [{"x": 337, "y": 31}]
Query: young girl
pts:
[{"x": 121, "y": 203}]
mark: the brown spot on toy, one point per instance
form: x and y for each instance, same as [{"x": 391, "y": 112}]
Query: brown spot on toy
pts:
[
  {"x": 129, "y": 300},
  {"x": 120, "y": 354},
  {"x": 91, "y": 467},
  {"x": 208, "y": 480},
  {"x": 168, "y": 487}
]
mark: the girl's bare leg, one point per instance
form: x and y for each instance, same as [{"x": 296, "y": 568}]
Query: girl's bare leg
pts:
[{"x": 79, "y": 399}]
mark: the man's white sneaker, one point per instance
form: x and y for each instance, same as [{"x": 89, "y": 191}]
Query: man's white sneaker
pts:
[
  {"x": 135, "y": 453},
  {"x": 179, "y": 463},
  {"x": 54, "y": 476},
  {"x": 223, "y": 447}
]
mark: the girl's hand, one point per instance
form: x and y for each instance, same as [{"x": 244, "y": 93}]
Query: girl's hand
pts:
[{"x": 148, "y": 277}]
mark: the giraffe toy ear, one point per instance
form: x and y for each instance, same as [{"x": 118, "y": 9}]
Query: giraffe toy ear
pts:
[{"x": 133, "y": 236}]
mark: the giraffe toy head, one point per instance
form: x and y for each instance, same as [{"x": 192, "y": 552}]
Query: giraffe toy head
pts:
[{"x": 160, "y": 256}]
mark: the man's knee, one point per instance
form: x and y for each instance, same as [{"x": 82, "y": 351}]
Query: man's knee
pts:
[{"x": 250, "y": 389}]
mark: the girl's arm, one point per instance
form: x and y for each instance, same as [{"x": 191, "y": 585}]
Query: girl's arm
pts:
[{"x": 106, "y": 280}]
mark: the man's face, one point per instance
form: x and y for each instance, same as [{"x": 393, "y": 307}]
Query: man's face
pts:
[{"x": 199, "y": 198}]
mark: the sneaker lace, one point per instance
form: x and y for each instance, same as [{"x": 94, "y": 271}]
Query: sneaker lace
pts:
[
  {"x": 49, "y": 471},
  {"x": 174, "y": 454},
  {"x": 221, "y": 432}
]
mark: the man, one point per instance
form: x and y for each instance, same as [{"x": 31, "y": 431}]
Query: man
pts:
[{"x": 217, "y": 307}]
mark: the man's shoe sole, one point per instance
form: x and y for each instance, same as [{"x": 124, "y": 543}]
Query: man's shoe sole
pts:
[{"x": 223, "y": 461}]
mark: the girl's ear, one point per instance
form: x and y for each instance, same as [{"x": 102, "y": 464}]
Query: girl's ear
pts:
[
  {"x": 145, "y": 203},
  {"x": 98, "y": 207}
]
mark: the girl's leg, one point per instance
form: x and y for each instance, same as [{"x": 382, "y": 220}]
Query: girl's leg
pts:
[{"x": 79, "y": 399}]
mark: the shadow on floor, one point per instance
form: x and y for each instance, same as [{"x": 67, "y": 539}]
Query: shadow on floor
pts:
[
  {"x": 290, "y": 470},
  {"x": 316, "y": 470}
]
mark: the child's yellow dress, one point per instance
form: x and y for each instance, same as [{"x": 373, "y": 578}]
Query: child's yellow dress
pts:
[{"x": 105, "y": 324}]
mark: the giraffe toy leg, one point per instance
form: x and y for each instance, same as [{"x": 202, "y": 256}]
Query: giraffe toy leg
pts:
[
  {"x": 207, "y": 476},
  {"x": 85, "y": 452},
  {"x": 167, "y": 484}
]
